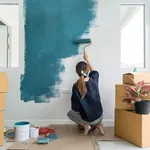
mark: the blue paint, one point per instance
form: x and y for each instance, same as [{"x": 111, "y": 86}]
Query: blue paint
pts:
[
  {"x": 50, "y": 28},
  {"x": 22, "y": 123}
]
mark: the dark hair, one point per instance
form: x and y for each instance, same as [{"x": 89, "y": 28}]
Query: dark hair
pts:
[{"x": 82, "y": 70}]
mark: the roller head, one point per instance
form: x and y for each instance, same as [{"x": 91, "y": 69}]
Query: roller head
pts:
[
  {"x": 82, "y": 41},
  {"x": 43, "y": 140}
]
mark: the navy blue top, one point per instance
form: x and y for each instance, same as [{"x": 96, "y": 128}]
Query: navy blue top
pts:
[{"x": 89, "y": 106}]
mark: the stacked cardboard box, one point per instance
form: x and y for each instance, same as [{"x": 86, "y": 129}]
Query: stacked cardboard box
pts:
[
  {"x": 3, "y": 91},
  {"x": 132, "y": 127}
]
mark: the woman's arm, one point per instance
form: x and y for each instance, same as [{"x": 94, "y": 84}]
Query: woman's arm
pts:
[
  {"x": 85, "y": 56},
  {"x": 93, "y": 74}
]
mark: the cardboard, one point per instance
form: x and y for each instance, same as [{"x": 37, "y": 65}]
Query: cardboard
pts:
[
  {"x": 2, "y": 101},
  {"x": 127, "y": 78},
  {"x": 1, "y": 128},
  {"x": 21, "y": 145},
  {"x": 3, "y": 82},
  {"x": 132, "y": 127},
  {"x": 108, "y": 136},
  {"x": 69, "y": 138},
  {"x": 120, "y": 93}
]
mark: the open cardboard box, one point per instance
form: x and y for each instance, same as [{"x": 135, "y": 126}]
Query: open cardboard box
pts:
[
  {"x": 3, "y": 82},
  {"x": 3, "y": 91},
  {"x": 120, "y": 93},
  {"x": 2, "y": 101},
  {"x": 1, "y": 128},
  {"x": 130, "y": 78},
  {"x": 132, "y": 127}
]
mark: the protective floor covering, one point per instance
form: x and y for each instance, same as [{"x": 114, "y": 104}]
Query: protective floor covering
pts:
[
  {"x": 109, "y": 135},
  {"x": 69, "y": 138}
]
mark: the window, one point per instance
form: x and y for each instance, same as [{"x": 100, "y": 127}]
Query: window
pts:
[
  {"x": 133, "y": 45},
  {"x": 9, "y": 35},
  {"x": 4, "y": 40}
]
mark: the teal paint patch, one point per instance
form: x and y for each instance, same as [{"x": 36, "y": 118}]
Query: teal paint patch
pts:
[{"x": 50, "y": 28}]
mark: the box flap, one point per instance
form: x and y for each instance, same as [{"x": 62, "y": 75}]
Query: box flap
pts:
[
  {"x": 128, "y": 73},
  {"x": 135, "y": 77},
  {"x": 134, "y": 73}
]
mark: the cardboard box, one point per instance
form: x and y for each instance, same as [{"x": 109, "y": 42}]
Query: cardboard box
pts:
[
  {"x": 3, "y": 82},
  {"x": 1, "y": 128},
  {"x": 129, "y": 77},
  {"x": 2, "y": 101},
  {"x": 132, "y": 127},
  {"x": 120, "y": 93}
]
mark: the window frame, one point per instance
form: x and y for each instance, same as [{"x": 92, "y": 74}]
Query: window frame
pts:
[
  {"x": 10, "y": 2},
  {"x": 146, "y": 36}
]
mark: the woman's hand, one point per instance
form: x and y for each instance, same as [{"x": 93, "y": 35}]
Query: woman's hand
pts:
[{"x": 85, "y": 56}]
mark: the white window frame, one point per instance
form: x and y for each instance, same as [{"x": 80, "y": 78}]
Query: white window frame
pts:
[
  {"x": 10, "y": 2},
  {"x": 146, "y": 35}
]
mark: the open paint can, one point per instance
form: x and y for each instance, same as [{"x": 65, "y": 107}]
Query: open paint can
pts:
[
  {"x": 22, "y": 131},
  {"x": 34, "y": 132}
]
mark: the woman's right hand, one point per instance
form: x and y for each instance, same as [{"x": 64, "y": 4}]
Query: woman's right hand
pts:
[{"x": 85, "y": 56}]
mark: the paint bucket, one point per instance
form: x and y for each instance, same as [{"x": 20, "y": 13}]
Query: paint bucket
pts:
[
  {"x": 22, "y": 131},
  {"x": 34, "y": 132}
]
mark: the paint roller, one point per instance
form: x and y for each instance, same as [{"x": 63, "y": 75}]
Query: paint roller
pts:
[
  {"x": 83, "y": 41},
  {"x": 43, "y": 140}
]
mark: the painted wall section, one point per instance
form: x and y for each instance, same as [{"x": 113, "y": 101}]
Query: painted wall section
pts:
[
  {"x": 50, "y": 28},
  {"x": 105, "y": 57}
]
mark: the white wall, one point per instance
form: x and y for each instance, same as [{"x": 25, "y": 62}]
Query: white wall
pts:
[{"x": 105, "y": 56}]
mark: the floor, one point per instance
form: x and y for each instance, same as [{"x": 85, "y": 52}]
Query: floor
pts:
[
  {"x": 6, "y": 145},
  {"x": 104, "y": 145},
  {"x": 69, "y": 138},
  {"x": 117, "y": 145},
  {"x": 67, "y": 132}
]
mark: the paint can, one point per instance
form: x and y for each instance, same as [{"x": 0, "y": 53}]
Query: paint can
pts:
[
  {"x": 34, "y": 132},
  {"x": 22, "y": 131}
]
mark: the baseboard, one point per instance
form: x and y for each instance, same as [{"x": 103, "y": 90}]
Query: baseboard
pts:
[
  {"x": 108, "y": 123},
  {"x": 10, "y": 123}
]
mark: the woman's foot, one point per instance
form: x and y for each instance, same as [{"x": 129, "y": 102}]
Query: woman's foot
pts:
[
  {"x": 100, "y": 128},
  {"x": 87, "y": 128}
]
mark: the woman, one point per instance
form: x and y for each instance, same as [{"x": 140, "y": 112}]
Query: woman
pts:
[{"x": 86, "y": 106}]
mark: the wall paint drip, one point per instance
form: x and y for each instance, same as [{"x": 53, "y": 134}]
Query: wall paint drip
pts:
[{"x": 50, "y": 28}]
